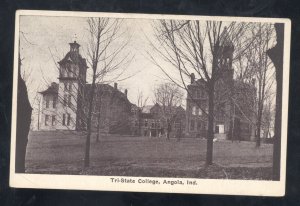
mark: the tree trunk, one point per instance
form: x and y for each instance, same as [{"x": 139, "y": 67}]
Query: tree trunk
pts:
[
  {"x": 24, "y": 111},
  {"x": 89, "y": 126},
  {"x": 98, "y": 127},
  {"x": 276, "y": 55},
  {"x": 258, "y": 127},
  {"x": 210, "y": 131}
]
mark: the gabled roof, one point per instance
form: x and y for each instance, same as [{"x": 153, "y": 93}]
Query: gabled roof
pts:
[
  {"x": 146, "y": 109},
  {"x": 52, "y": 89},
  {"x": 106, "y": 88}
]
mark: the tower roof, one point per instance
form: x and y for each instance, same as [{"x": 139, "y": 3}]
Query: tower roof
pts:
[
  {"x": 52, "y": 89},
  {"x": 74, "y": 56},
  {"x": 74, "y": 45}
]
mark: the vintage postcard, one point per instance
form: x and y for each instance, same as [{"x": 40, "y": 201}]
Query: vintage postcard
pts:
[{"x": 150, "y": 103}]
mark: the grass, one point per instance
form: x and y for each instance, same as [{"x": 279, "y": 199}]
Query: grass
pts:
[{"x": 62, "y": 153}]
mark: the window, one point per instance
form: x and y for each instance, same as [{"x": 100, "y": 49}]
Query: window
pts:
[
  {"x": 54, "y": 101},
  {"x": 146, "y": 123},
  {"x": 69, "y": 119},
  {"x": 65, "y": 87},
  {"x": 68, "y": 69},
  {"x": 53, "y": 120},
  {"x": 70, "y": 87},
  {"x": 217, "y": 129},
  {"x": 194, "y": 110},
  {"x": 47, "y": 101},
  {"x": 65, "y": 99},
  {"x": 199, "y": 125},
  {"x": 46, "y": 119},
  {"x": 64, "y": 119},
  {"x": 63, "y": 72},
  {"x": 192, "y": 125},
  {"x": 201, "y": 94},
  {"x": 153, "y": 125},
  {"x": 71, "y": 71},
  {"x": 199, "y": 112},
  {"x": 69, "y": 100},
  {"x": 158, "y": 124}
]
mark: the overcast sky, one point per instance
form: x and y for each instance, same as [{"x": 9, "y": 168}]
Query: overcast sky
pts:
[{"x": 40, "y": 35}]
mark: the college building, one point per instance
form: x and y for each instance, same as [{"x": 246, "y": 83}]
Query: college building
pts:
[
  {"x": 64, "y": 105},
  {"x": 234, "y": 104},
  {"x": 157, "y": 120}
]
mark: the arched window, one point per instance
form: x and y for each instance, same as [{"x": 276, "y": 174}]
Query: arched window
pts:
[
  {"x": 200, "y": 112},
  {"x": 194, "y": 110}
]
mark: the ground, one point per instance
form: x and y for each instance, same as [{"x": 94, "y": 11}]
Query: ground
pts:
[{"x": 62, "y": 153}]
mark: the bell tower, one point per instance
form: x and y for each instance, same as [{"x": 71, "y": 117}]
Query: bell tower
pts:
[{"x": 72, "y": 80}]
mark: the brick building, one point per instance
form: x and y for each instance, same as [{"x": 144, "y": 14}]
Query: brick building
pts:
[
  {"x": 152, "y": 120},
  {"x": 234, "y": 104},
  {"x": 64, "y": 104}
]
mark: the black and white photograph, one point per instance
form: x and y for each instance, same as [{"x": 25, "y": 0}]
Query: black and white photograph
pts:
[{"x": 150, "y": 103}]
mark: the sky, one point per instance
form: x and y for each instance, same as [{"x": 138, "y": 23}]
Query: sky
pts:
[{"x": 45, "y": 40}]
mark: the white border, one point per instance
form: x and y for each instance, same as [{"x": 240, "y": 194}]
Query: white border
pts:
[{"x": 205, "y": 186}]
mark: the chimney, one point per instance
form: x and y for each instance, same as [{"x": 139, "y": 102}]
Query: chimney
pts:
[
  {"x": 116, "y": 85},
  {"x": 192, "y": 78},
  {"x": 125, "y": 92}
]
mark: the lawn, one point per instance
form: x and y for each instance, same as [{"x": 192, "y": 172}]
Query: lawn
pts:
[{"x": 62, "y": 153}]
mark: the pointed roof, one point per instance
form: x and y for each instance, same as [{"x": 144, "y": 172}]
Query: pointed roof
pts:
[
  {"x": 146, "y": 109},
  {"x": 106, "y": 88}
]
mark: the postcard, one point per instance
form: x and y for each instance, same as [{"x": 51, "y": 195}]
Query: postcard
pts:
[{"x": 150, "y": 103}]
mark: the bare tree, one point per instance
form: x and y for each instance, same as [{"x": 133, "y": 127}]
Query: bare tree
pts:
[
  {"x": 168, "y": 95},
  {"x": 141, "y": 100},
  {"x": 263, "y": 73},
  {"x": 201, "y": 48},
  {"x": 104, "y": 49},
  {"x": 256, "y": 67}
]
